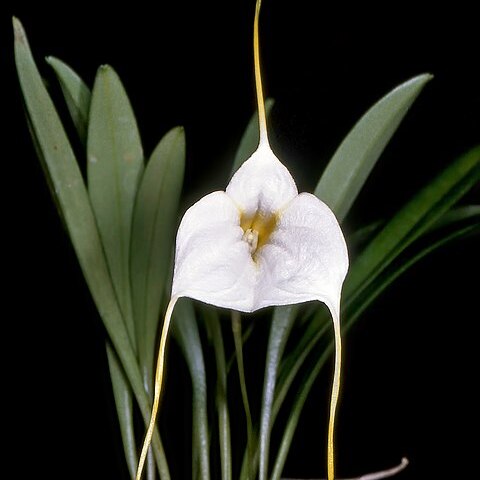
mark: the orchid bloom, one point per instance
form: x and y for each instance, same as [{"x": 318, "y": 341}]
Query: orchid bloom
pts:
[{"x": 259, "y": 243}]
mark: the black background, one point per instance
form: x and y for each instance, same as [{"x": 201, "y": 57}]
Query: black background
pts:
[{"x": 411, "y": 362}]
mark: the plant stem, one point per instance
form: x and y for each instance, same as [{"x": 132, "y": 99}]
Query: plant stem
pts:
[{"x": 237, "y": 337}]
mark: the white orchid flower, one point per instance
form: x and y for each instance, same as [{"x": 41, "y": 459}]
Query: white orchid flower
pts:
[
  {"x": 257, "y": 244},
  {"x": 260, "y": 243}
]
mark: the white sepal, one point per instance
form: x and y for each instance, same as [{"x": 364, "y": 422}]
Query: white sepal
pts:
[{"x": 262, "y": 184}]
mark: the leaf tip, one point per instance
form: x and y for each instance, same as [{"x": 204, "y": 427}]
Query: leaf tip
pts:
[
  {"x": 423, "y": 78},
  {"x": 107, "y": 72},
  {"x": 269, "y": 102},
  {"x": 105, "y": 68},
  {"x": 415, "y": 84},
  {"x": 179, "y": 129},
  {"x": 18, "y": 31},
  {"x": 427, "y": 76}
]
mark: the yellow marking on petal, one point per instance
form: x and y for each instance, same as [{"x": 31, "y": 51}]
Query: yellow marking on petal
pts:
[
  {"x": 158, "y": 386},
  {"x": 261, "y": 225}
]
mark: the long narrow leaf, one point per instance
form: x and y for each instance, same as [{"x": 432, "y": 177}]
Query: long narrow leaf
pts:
[
  {"x": 71, "y": 196},
  {"x": 388, "y": 277},
  {"x": 250, "y": 138},
  {"x": 153, "y": 231},
  {"x": 115, "y": 164},
  {"x": 413, "y": 220},
  {"x": 76, "y": 93},
  {"x": 281, "y": 325},
  {"x": 470, "y": 213},
  {"x": 356, "y": 156},
  {"x": 246, "y": 334},
  {"x": 185, "y": 331}
]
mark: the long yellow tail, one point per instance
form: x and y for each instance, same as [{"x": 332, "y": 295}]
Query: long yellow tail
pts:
[
  {"x": 262, "y": 117},
  {"x": 334, "y": 399}
]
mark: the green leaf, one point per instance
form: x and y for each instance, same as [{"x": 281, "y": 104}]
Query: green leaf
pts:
[
  {"x": 281, "y": 326},
  {"x": 467, "y": 213},
  {"x": 356, "y": 156},
  {"x": 123, "y": 403},
  {"x": 249, "y": 142},
  {"x": 212, "y": 322},
  {"x": 415, "y": 218},
  {"x": 246, "y": 334},
  {"x": 68, "y": 188},
  {"x": 389, "y": 276},
  {"x": 76, "y": 93},
  {"x": 453, "y": 225},
  {"x": 185, "y": 331},
  {"x": 450, "y": 225},
  {"x": 115, "y": 165},
  {"x": 153, "y": 233}
]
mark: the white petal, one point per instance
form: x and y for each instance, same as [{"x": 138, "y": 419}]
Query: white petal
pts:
[
  {"x": 262, "y": 184},
  {"x": 305, "y": 258},
  {"x": 212, "y": 262}
]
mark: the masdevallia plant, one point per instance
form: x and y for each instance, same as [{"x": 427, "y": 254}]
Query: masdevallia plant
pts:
[{"x": 257, "y": 244}]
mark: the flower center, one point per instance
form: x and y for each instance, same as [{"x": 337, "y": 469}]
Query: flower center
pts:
[
  {"x": 257, "y": 228},
  {"x": 251, "y": 237}
]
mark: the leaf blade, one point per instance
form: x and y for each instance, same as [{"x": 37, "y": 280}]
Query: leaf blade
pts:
[
  {"x": 356, "y": 156},
  {"x": 415, "y": 218},
  {"x": 76, "y": 93},
  {"x": 115, "y": 164},
  {"x": 153, "y": 233}
]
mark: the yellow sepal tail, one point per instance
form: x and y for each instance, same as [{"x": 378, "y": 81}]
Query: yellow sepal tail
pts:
[
  {"x": 262, "y": 117},
  {"x": 334, "y": 400}
]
